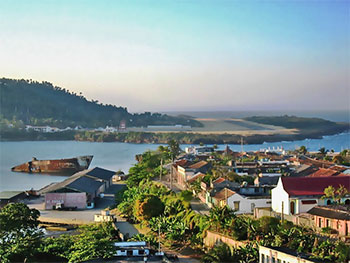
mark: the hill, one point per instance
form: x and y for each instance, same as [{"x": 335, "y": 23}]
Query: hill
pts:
[
  {"x": 41, "y": 103},
  {"x": 304, "y": 125}
]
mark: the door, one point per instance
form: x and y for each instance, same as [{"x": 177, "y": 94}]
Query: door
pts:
[{"x": 292, "y": 207}]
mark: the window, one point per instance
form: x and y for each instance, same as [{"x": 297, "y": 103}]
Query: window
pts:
[
  {"x": 256, "y": 190},
  {"x": 273, "y": 260},
  {"x": 252, "y": 207},
  {"x": 308, "y": 202},
  {"x": 267, "y": 259},
  {"x": 262, "y": 258},
  {"x": 328, "y": 223},
  {"x": 236, "y": 205},
  {"x": 278, "y": 261}
]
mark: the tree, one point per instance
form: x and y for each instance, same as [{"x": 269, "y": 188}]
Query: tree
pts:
[
  {"x": 174, "y": 148},
  {"x": 19, "y": 232},
  {"x": 148, "y": 207},
  {"x": 218, "y": 254},
  {"x": 323, "y": 151},
  {"x": 335, "y": 194},
  {"x": 302, "y": 149}
]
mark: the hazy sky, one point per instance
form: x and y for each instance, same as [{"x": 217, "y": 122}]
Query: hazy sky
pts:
[{"x": 184, "y": 55}]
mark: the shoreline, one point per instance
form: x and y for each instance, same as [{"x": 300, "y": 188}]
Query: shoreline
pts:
[{"x": 163, "y": 138}]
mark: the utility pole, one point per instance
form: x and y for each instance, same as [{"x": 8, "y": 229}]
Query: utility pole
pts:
[
  {"x": 159, "y": 239},
  {"x": 171, "y": 174},
  {"x": 161, "y": 169}
]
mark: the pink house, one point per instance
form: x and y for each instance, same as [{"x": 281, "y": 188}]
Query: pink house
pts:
[{"x": 335, "y": 217}]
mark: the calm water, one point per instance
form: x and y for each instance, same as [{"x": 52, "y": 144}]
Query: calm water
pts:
[{"x": 112, "y": 156}]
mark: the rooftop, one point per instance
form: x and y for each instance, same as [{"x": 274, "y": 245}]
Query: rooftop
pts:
[
  {"x": 84, "y": 181},
  {"x": 322, "y": 172},
  {"x": 296, "y": 186},
  {"x": 224, "y": 194},
  {"x": 5, "y": 195},
  {"x": 198, "y": 165},
  {"x": 334, "y": 212},
  {"x": 293, "y": 253}
]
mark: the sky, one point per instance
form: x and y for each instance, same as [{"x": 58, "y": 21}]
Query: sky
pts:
[{"x": 184, "y": 55}]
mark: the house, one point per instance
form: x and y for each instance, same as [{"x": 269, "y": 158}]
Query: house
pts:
[
  {"x": 131, "y": 249},
  {"x": 104, "y": 216},
  {"x": 324, "y": 172},
  {"x": 295, "y": 195},
  {"x": 102, "y": 174},
  {"x": 46, "y": 129},
  {"x": 335, "y": 217},
  {"x": 282, "y": 255},
  {"x": 266, "y": 180},
  {"x": 244, "y": 204},
  {"x": 209, "y": 193},
  {"x": 199, "y": 150},
  {"x": 79, "y": 190},
  {"x": 220, "y": 198},
  {"x": 7, "y": 197},
  {"x": 189, "y": 170}
]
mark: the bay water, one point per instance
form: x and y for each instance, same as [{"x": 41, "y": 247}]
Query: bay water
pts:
[{"x": 114, "y": 156}]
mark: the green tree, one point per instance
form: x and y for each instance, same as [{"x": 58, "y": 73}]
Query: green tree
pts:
[
  {"x": 302, "y": 149},
  {"x": 174, "y": 148},
  {"x": 220, "y": 254},
  {"x": 19, "y": 232},
  {"x": 323, "y": 151},
  {"x": 148, "y": 207},
  {"x": 335, "y": 194}
]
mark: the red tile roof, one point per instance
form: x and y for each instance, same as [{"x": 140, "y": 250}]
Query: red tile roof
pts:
[
  {"x": 295, "y": 186},
  {"x": 224, "y": 194},
  {"x": 322, "y": 172},
  {"x": 198, "y": 165},
  {"x": 219, "y": 180},
  {"x": 195, "y": 177},
  {"x": 181, "y": 163}
]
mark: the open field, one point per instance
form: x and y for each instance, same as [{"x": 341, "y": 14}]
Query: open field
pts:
[{"x": 225, "y": 126}]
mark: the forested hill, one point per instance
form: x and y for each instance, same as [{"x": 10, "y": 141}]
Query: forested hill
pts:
[
  {"x": 41, "y": 103},
  {"x": 306, "y": 125}
]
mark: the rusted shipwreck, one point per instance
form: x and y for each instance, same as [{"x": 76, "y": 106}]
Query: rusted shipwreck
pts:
[{"x": 62, "y": 166}]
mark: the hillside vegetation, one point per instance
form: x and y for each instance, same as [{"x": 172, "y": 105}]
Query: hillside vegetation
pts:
[
  {"x": 305, "y": 125},
  {"x": 41, "y": 103}
]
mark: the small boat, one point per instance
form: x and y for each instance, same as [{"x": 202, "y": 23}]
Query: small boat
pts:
[{"x": 62, "y": 166}]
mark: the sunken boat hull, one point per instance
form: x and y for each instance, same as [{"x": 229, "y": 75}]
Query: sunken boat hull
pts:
[{"x": 62, "y": 166}]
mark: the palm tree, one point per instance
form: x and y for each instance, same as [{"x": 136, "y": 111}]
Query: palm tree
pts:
[{"x": 302, "y": 149}]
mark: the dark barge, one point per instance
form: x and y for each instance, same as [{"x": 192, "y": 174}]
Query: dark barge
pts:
[{"x": 62, "y": 166}]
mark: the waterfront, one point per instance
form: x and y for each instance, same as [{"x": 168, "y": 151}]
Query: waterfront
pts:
[{"x": 112, "y": 156}]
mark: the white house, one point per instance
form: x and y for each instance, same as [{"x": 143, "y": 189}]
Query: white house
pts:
[
  {"x": 281, "y": 254},
  {"x": 295, "y": 195},
  {"x": 246, "y": 204}
]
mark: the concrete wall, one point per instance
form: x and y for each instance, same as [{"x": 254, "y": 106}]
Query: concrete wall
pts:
[
  {"x": 246, "y": 205},
  {"x": 342, "y": 226},
  {"x": 279, "y": 196},
  {"x": 266, "y": 255},
  {"x": 296, "y": 219},
  {"x": 212, "y": 238},
  {"x": 68, "y": 199}
]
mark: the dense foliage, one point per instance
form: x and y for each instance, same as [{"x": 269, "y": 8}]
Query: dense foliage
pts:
[
  {"x": 179, "y": 225},
  {"x": 41, "y": 103},
  {"x": 19, "y": 233},
  {"x": 22, "y": 241},
  {"x": 93, "y": 241}
]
